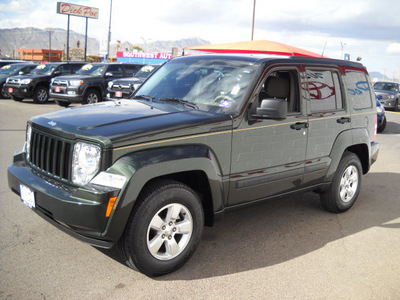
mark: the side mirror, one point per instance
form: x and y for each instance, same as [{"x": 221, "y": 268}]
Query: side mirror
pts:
[
  {"x": 56, "y": 73},
  {"x": 21, "y": 73},
  {"x": 271, "y": 109},
  {"x": 109, "y": 74}
]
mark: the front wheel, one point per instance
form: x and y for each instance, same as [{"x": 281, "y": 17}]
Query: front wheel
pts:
[
  {"x": 164, "y": 230},
  {"x": 41, "y": 95},
  {"x": 382, "y": 124},
  {"x": 345, "y": 186},
  {"x": 4, "y": 93},
  {"x": 91, "y": 97}
]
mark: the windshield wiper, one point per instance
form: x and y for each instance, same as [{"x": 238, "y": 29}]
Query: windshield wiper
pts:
[
  {"x": 144, "y": 97},
  {"x": 181, "y": 101}
]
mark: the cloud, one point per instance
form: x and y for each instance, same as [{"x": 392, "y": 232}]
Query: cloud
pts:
[{"x": 393, "y": 48}]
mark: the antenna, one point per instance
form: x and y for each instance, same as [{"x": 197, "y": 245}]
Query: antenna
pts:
[{"x": 323, "y": 50}]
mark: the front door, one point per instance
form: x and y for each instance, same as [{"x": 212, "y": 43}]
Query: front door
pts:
[{"x": 268, "y": 155}]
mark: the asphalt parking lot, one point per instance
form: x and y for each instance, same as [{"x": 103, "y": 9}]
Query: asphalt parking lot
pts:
[{"x": 282, "y": 249}]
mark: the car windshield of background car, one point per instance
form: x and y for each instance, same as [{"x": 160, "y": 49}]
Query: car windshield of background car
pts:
[
  {"x": 386, "y": 86},
  {"x": 43, "y": 69},
  {"x": 94, "y": 70},
  {"x": 8, "y": 69},
  {"x": 213, "y": 85}
]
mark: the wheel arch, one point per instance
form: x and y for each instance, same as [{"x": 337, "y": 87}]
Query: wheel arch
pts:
[
  {"x": 356, "y": 141},
  {"x": 193, "y": 165}
]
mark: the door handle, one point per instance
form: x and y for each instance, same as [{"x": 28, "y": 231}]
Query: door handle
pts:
[
  {"x": 344, "y": 120},
  {"x": 299, "y": 125}
]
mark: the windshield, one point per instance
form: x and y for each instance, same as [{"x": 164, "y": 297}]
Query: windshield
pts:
[
  {"x": 8, "y": 69},
  {"x": 94, "y": 70},
  {"x": 145, "y": 71},
  {"x": 218, "y": 85},
  {"x": 44, "y": 69},
  {"x": 386, "y": 86}
]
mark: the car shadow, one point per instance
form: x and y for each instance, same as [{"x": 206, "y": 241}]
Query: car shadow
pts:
[
  {"x": 278, "y": 231},
  {"x": 391, "y": 128}
]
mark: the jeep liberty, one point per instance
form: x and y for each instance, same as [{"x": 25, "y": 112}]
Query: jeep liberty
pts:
[{"x": 203, "y": 135}]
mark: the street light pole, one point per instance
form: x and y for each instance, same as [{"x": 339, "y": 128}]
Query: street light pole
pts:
[
  {"x": 109, "y": 33},
  {"x": 252, "y": 25}
]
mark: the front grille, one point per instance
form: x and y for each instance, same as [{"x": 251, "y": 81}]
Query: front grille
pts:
[
  {"x": 51, "y": 155},
  {"x": 60, "y": 82}
]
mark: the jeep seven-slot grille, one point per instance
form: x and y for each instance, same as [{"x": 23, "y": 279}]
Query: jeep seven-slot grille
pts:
[{"x": 51, "y": 155}]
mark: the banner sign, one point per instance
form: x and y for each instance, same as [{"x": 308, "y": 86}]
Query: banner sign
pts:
[
  {"x": 77, "y": 10},
  {"x": 155, "y": 55}
]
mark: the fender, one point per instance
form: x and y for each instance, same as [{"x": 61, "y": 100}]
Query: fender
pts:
[
  {"x": 349, "y": 139},
  {"x": 140, "y": 167}
]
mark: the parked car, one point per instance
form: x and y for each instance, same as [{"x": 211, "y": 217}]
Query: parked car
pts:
[
  {"x": 36, "y": 84},
  {"x": 124, "y": 87},
  {"x": 4, "y": 62},
  {"x": 89, "y": 84},
  {"x": 10, "y": 70},
  {"x": 202, "y": 136},
  {"x": 381, "y": 115},
  {"x": 389, "y": 93}
]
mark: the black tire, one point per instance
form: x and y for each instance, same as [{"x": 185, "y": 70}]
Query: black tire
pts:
[
  {"x": 345, "y": 186},
  {"x": 382, "y": 125},
  {"x": 41, "y": 94},
  {"x": 63, "y": 103},
  {"x": 15, "y": 98},
  {"x": 174, "y": 239},
  {"x": 91, "y": 97},
  {"x": 396, "y": 105},
  {"x": 3, "y": 93}
]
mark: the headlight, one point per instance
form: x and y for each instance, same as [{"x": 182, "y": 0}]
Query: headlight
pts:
[
  {"x": 110, "y": 84},
  {"x": 75, "y": 82},
  {"x": 392, "y": 96},
  {"x": 28, "y": 141},
  {"x": 85, "y": 162},
  {"x": 26, "y": 81},
  {"x": 379, "y": 110},
  {"x": 136, "y": 85}
]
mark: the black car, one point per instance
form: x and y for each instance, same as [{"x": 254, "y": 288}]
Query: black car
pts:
[
  {"x": 36, "y": 84},
  {"x": 4, "y": 62},
  {"x": 10, "y": 70},
  {"x": 124, "y": 88},
  {"x": 89, "y": 84}
]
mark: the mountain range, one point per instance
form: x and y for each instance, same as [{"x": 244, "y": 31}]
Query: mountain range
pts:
[{"x": 34, "y": 38}]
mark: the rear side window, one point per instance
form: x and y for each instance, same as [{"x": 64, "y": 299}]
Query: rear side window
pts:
[
  {"x": 324, "y": 90},
  {"x": 358, "y": 90},
  {"x": 130, "y": 70}
]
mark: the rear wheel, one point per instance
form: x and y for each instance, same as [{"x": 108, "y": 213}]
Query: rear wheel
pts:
[
  {"x": 345, "y": 186},
  {"x": 164, "y": 229},
  {"x": 91, "y": 96},
  {"x": 41, "y": 94}
]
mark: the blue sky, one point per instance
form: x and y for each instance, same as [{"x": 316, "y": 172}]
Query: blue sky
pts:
[{"x": 362, "y": 28}]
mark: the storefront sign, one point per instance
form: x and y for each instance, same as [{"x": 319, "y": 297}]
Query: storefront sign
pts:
[
  {"x": 77, "y": 10},
  {"x": 155, "y": 55}
]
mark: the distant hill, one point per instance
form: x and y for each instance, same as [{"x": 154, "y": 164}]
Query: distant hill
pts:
[
  {"x": 30, "y": 37},
  {"x": 376, "y": 76}
]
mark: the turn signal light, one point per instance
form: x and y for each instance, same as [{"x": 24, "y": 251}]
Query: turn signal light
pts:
[{"x": 110, "y": 206}]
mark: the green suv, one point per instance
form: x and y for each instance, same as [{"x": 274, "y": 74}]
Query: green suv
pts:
[{"x": 203, "y": 135}]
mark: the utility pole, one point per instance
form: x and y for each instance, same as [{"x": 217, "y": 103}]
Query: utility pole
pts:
[
  {"x": 252, "y": 25},
  {"x": 109, "y": 33},
  {"x": 49, "y": 45}
]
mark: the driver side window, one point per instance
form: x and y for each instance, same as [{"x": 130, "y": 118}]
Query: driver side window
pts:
[{"x": 282, "y": 84}]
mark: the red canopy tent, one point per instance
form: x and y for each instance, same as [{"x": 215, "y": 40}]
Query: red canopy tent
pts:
[{"x": 255, "y": 47}]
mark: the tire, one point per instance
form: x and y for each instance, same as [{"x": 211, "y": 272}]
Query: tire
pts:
[
  {"x": 41, "y": 95},
  {"x": 4, "y": 94},
  {"x": 345, "y": 186},
  {"x": 396, "y": 105},
  {"x": 63, "y": 103},
  {"x": 164, "y": 229},
  {"x": 382, "y": 125},
  {"x": 16, "y": 98},
  {"x": 91, "y": 97}
]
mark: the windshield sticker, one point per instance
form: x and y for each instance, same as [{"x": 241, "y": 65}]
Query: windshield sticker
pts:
[
  {"x": 87, "y": 67},
  {"x": 6, "y": 67},
  {"x": 147, "y": 69},
  {"x": 225, "y": 103},
  {"x": 40, "y": 67},
  {"x": 235, "y": 90}
]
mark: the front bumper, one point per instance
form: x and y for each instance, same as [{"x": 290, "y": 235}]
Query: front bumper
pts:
[
  {"x": 20, "y": 91},
  {"x": 73, "y": 98},
  {"x": 389, "y": 103},
  {"x": 79, "y": 212}
]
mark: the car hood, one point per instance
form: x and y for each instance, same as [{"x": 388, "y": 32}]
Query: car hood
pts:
[
  {"x": 77, "y": 77},
  {"x": 380, "y": 92},
  {"x": 126, "y": 122}
]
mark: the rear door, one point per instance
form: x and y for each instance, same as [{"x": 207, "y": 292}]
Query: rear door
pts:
[{"x": 328, "y": 117}]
